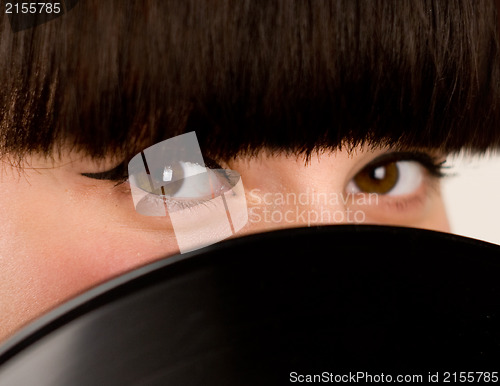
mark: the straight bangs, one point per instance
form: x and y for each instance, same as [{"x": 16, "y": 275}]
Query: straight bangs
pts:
[{"x": 291, "y": 76}]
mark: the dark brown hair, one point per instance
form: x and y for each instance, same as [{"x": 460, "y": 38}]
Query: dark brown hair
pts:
[{"x": 285, "y": 75}]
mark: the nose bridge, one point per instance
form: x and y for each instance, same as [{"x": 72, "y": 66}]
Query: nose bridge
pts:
[{"x": 286, "y": 191}]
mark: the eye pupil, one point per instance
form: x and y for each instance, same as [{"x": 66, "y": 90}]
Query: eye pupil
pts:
[{"x": 380, "y": 179}]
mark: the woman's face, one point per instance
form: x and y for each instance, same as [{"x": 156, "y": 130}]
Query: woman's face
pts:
[{"x": 63, "y": 232}]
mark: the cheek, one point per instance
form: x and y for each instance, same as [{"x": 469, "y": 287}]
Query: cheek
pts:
[
  {"x": 427, "y": 213},
  {"x": 98, "y": 256},
  {"x": 438, "y": 219},
  {"x": 61, "y": 244},
  {"x": 39, "y": 279}
]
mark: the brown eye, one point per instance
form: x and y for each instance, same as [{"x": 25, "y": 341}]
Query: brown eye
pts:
[
  {"x": 379, "y": 179},
  {"x": 391, "y": 178}
]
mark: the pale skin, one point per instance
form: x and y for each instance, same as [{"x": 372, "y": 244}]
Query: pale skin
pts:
[{"x": 63, "y": 233}]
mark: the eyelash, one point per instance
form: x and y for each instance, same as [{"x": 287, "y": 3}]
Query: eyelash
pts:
[
  {"x": 118, "y": 174},
  {"x": 180, "y": 204},
  {"x": 432, "y": 165}
]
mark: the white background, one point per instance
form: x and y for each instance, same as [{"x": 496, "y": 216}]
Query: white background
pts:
[{"x": 472, "y": 196}]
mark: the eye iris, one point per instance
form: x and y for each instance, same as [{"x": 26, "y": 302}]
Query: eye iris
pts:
[
  {"x": 380, "y": 179},
  {"x": 181, "y": 179},
  {"x": 168, "y": 178}
]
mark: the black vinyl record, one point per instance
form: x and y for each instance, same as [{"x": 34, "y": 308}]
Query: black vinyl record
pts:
[{"x": 270, "y": 308}]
